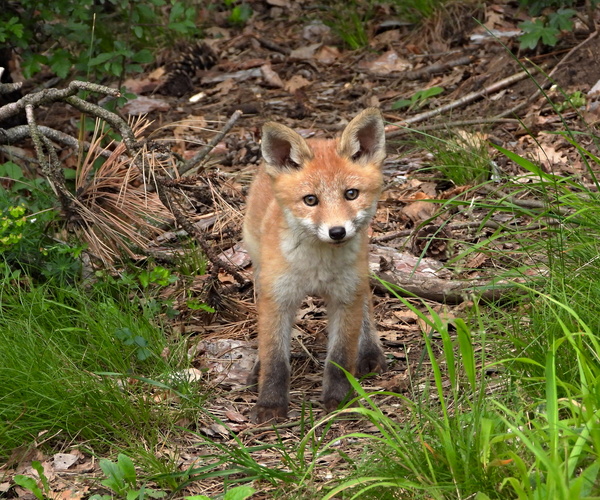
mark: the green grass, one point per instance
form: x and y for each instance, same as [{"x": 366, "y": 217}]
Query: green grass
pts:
[
  {"x": 461, "y": 157},
  {"x": 68, "y": 373}
]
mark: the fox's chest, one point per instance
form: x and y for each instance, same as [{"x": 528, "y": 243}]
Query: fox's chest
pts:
[{"x": 322, "y": 270}]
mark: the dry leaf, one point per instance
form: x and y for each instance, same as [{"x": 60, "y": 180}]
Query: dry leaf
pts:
[
  {"x": 271, "y": 77},
  {"x": 327, "y": 54},
  {"x": 62, "y": 461},
  {"x": 307, "y": 52},
  {"x": 316, "y": 31},
  {"x": 235, "y": 416},
  {"x": 406, "y": 316},
  {"x": 143, "y": 105},
  {"x": 296, "y": 82},
  {"x": 419, "y": 211},
  {"x": 386, "y": 63}
]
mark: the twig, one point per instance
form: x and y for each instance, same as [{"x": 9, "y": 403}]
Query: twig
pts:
[
  {"x": 197, "y": 159},
  {"x": 52, "y": 170},
  {"x": 7, "y": 88},
  {"x": 269, "y": 427},
  {"x": 450, "y": 125},
  {"x": 162, "y": 187},
  {"x": 48, "y": 96},
  {"x": 467, "y": 99},
  {"x": 268, "y": 44},
  {"x": 439, "y": 67},
  {"x": 538, "y": 91},
  {"x": 109, "y": 117},
  {"x": 18, "y": 133}
]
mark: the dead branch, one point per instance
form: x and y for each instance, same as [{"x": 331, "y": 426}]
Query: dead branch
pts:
[
  {"x": 463, "y": 101},
  {"x": 163, "y": 185},
  {"x": 48, "y": 96},
  {"x": 51, "y": 169},
  {"x": 194, "y": 162},
  {"x": 427, "y": 71},
  {"x": 20, "y": 132},
  {"x": 7, "y": 88},
  {"x": 109, "y": 117},
  {"x": 451, "y": 125},
  {"x": 439, "y": 290}
]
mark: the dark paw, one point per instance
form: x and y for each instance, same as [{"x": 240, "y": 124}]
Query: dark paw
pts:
[
  {"x": 331, "y": 404},
  {"x": 261, "y": 414},
  {"x": 371, "y": 362}
]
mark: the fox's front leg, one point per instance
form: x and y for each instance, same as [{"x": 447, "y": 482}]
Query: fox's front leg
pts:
[
  {"x": 345, "y": 320},
  {"x": 371, "y": 358},
  {"x": 274, "y": 332}
]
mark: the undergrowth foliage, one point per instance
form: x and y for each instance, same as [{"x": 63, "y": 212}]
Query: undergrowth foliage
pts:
[{"x": 96, "y": 38}]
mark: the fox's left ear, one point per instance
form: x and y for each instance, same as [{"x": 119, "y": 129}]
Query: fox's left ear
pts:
[{"x": 363, "y": 139}]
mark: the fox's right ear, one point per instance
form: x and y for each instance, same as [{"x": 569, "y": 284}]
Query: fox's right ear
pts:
[{"x": 282, "y": 148}]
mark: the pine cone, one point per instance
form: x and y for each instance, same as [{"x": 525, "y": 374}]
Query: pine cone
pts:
[{"x": 432, "y": 241}]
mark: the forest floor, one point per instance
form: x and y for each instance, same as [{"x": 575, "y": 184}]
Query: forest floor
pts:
[{"x": 285, "y": 65}]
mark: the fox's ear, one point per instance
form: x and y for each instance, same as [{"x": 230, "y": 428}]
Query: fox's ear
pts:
[
  {"x": 363, "y": 140},
  {"x": 282, "y": 148}
]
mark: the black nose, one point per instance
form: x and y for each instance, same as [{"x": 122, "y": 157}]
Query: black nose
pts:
[{"x": 337, "y": 233}]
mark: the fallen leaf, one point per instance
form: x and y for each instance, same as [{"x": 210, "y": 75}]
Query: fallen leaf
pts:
[
  {"x": 143, "y": 105},
  {"x": 303, "y": 53},
  {"x": 72, "y": 494},
  {"x": 296, "y": 82},
  {"x": 419, "y": 211},
  {"x": 386, "y": 63},
  {"x": 235, "y": 416},
  {"x": 140, "y": 86},
  {"x": 271, "y": 77},
  {"x": 62, "y": 461},
  {"x": 327, "y": 54},
  {"x": 315, "y": 31},
  {"x": 406, "y": 316}
]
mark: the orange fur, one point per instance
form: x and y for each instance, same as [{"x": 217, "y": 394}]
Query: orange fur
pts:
[{"x": 306, "y": 230}]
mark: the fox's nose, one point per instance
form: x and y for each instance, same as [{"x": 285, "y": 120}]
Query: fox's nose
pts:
[{"x": 337, "y": 233}]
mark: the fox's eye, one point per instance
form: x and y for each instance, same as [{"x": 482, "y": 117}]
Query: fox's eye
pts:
[
  {"x": 351, "y": 194},
  {"x": 311, "y": 200}
]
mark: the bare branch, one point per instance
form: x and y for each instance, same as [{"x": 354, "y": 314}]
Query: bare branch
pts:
[
  {"x": 108, "y": 116},
  {"x": 463, "y": 101},
  {"x": 196, "y": 160},
  {"x": 20, "y": 132},
  {"x": 52, "y": 170},
  {"x": 48, "y": 96},
  {"x": 162, "y": 186}
]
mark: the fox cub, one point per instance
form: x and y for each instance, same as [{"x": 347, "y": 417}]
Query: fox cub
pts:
[{"x": 306, "y": 231}]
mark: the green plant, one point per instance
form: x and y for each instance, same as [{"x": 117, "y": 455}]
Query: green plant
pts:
[
  {"x": 32, "y": 485},
  {"x": 121, "y": 478},
  {"x": 461, "y": 157},
  {"x": 63, "y": 361},
  {"x": 348, "y": 20},
  {"x": 572, "y": 101},
  {"x": 546, "y": 29},
  {"x": 414, "y": 11},
  {"x": 237, "y": 493},
  {"x": 240, "y": 14},
  {"x": 11, "y": 227},
  {"x": 93, "y": 38},
  {"x": 24, "y": 245},
  {"x": 158, "y": 275},
  {"x": 418, "y": 99}
]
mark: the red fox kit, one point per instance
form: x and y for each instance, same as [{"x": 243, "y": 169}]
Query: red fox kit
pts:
[{"x": 306, "y": 231}]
